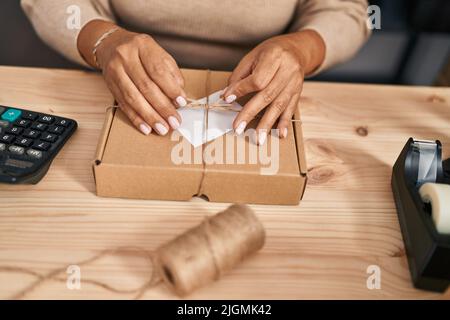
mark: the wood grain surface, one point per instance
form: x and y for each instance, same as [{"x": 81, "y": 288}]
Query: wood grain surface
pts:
[{"x": 319, "y": 249}]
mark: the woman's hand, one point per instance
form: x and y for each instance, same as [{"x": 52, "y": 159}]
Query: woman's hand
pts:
[
  {"x": 144, "y": 79},
  {"x": 275, "y": 69}
]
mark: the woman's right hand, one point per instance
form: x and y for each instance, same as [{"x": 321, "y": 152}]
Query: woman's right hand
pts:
[{"x": 144, "y": 79}]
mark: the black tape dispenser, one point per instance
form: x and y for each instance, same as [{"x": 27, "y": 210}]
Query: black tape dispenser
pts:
[{"x": 421, "y": 187}]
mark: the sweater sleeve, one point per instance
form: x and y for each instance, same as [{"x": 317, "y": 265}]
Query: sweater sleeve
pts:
[
  {"x": 341, "y": 24},
  {"x": 58, "y": 22}
]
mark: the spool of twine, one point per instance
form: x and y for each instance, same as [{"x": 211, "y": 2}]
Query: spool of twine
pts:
[{"x": 202, "y": 254}]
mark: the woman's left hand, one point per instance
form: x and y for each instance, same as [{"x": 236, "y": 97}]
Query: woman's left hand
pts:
[{"x": 275, "y": 69}]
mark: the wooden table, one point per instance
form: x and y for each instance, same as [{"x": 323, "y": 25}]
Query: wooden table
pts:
[{"x": 320, "y": 249}]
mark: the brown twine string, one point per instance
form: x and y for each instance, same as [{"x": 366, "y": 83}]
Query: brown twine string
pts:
[
  {"x": 53, "y": 274},
  {"x": 193, "y": 104},
  {"x": 194, "y": 259},
  {"x": 205, "y": 128}
]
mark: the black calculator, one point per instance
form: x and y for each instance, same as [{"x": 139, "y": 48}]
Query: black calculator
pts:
[{"x": 28, "y": 143}]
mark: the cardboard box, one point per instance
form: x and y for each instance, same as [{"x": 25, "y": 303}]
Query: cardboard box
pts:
[{"x": 131, "y": 165}]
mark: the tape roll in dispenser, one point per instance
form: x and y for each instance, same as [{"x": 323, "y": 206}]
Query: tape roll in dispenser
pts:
[{"x": 438, "y": 196}]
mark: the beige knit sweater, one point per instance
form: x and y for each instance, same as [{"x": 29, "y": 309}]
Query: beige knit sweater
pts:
[{"x": 211, "y": 34}]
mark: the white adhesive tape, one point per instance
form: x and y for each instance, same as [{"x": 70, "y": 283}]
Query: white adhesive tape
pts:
[{"x": 438, "y": 195}]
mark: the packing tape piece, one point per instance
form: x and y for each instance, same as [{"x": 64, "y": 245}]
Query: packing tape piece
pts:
[
  {"x": 428, "y": 161},
  {"x": 438, "y": 195}
]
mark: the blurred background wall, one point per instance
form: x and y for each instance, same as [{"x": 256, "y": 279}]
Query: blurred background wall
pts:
[{"x": 412, "y": 47}]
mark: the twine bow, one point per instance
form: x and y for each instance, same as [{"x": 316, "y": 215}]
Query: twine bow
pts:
[
  {"x": 216, "y": 106},
  {"x": 195, "y": 104}
]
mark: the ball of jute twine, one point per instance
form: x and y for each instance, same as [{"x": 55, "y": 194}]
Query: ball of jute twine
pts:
[{"x": 202, "y": 254}]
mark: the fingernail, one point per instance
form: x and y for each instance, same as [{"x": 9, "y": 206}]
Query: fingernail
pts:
[
  {"x": 174, "y": 122},
  {"x": 241, "y": 127},
  {"x": 284, "y": 132},
  {"x": 162, "y": 130},
  {"x": 145, "y": 129},
  {"x": 230, "y": 98},
  {"x": 181, "y": 101},
  {"x": 262, "y": 136}
]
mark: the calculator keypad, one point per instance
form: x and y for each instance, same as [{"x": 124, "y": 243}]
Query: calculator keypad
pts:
[{"x": 28, "y": 137}]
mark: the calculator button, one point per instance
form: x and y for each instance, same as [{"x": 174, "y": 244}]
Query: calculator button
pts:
[
  {"x": 41, "y": 145},
  {"x": 34, "y": 153},
  {"x": 15, "y": 130},
  {"x": 46, "y": 119},
  {"x": 56, "y": 129},
  {"x": 11, "y": 115},
  {"x": 2, "y": 147},
  {"x": 49, "y": 137},
  {"x": 39, "y": 126},
  {"x": 25, "y": 142},
  {"x": 7, "y": 138},
  {"x": 31, "y": 133},
  {"x": 23, "y": 123},
  {"x": 62, "y": 122},
  {"x": 16, "y": 150},
  {"x": 29, "y": 115}
]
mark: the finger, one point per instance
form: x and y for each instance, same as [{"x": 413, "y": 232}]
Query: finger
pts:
[
  {"x": 264, "y": 71},
  {"x": 130, "y": 96},
  {"x": 243, "y": 69},
  {"x": 273, "y": 112},
  {"x": 136, "y": 120},
  {"x": 284, "y": 123},
  {"x": 260, "y": 101},
  {"x": 154, "y": 95},
  {"x": 160, "y": 73}
]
